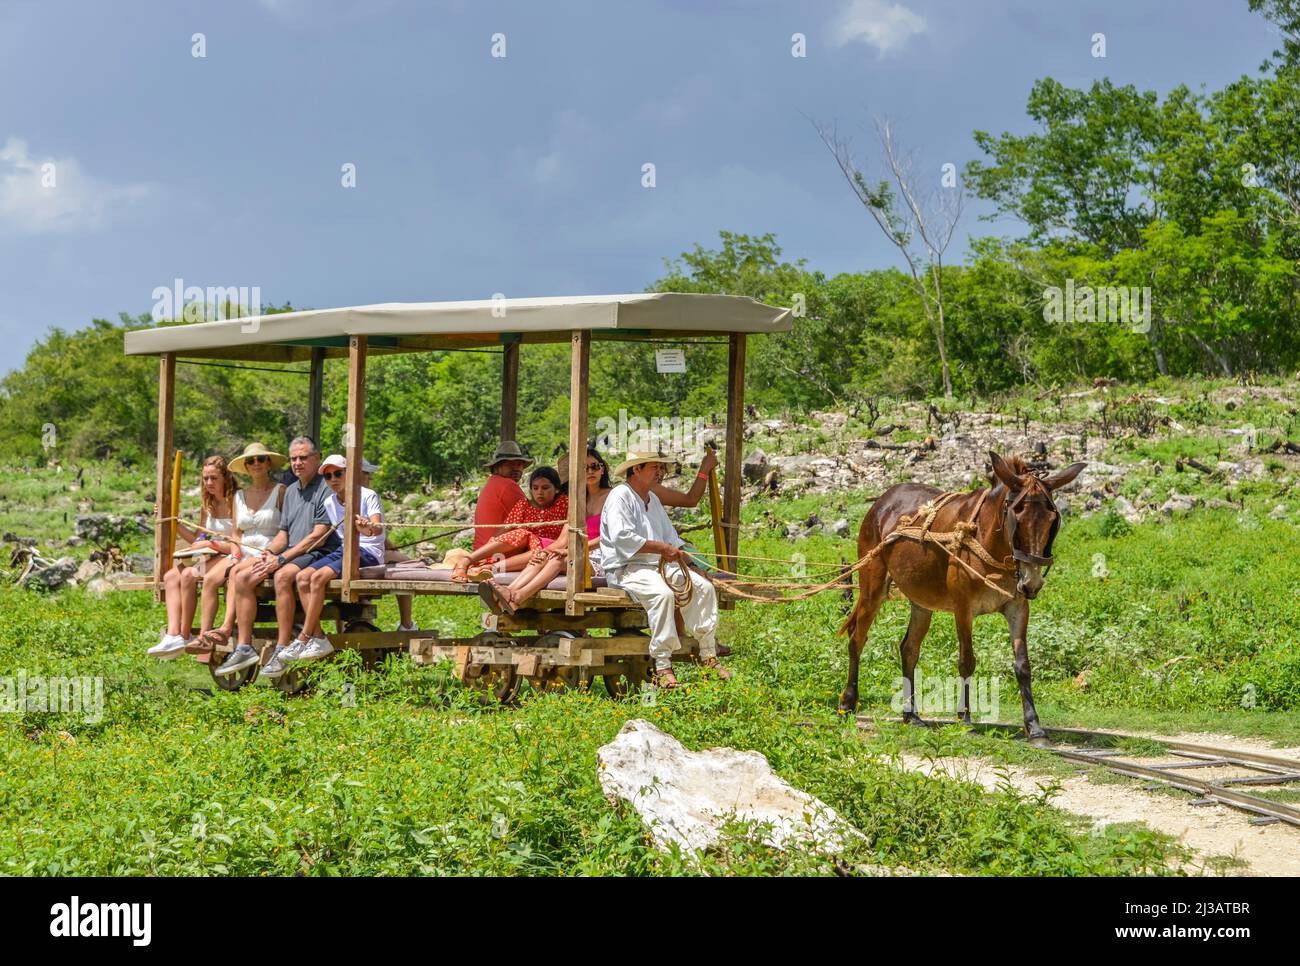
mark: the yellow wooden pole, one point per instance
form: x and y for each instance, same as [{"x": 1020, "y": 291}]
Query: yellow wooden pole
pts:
[
  {"x": 176, "y": 508},
  {"x": 715, "y": 511}
]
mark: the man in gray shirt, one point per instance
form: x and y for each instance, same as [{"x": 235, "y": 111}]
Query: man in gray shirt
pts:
[{"x": 306, "y": 535}]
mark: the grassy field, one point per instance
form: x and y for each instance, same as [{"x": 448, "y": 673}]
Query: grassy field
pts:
[
  {"x": 402, "y": 771},
  {"x": 1174, "y": 624}
]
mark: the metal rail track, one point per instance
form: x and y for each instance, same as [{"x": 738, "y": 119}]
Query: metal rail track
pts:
[{"x": 1268, "y": 769}]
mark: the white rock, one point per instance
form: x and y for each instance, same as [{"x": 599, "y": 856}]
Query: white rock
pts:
[{"x": 685, "y": 796}]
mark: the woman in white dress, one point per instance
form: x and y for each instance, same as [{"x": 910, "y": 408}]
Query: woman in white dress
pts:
[
  {"x": 257, "y": 521},
  {"x": 219, "y": 489}
]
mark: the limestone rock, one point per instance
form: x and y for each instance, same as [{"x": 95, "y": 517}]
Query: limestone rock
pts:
[
  {"x": 755, "y": 466},
  {"x": 686, "y": 796}
]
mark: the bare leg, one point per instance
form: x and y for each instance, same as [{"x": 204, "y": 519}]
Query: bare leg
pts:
[
  {"x": 172, "y": 588},
  {"x": 405, "y": 607},
  {"x": 520, "y": 592},
  {"x": 285, "y": 604},
  {"x": 214, "y": 576},
  {"x": 246, "y": 604},
  {"x": 312, "y": 585}
]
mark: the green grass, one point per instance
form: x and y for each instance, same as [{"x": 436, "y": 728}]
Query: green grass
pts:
[{"x": 1188, "y": 624}]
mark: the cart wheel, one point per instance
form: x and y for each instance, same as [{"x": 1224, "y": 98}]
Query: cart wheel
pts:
[
  {"x": 635, "y": 672},
  {"x": 230, "y": 682},
  {"x": 501, "y": 681},
  {"x": 291, "y": 681},
  {"x": 370, "y": 657}
]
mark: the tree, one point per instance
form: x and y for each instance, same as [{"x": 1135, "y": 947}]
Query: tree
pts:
[{"x": 920, "y": 224}]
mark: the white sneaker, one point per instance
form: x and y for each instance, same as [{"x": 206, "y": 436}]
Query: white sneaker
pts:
[
  {"x": 403, "y": 629},
  {"x": 294, "y": 651},
  {"x": 172, "y": 645},
  {"x": 317, "y": 648}
]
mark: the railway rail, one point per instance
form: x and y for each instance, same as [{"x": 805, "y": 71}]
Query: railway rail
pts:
[{"x": 1249, "y": 768}]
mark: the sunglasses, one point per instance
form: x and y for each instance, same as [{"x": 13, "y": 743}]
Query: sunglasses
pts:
[
  {"x": 593, "y": 467},
  {"x": 335, "y": 475},
  {"x": 257, "y": 459}
]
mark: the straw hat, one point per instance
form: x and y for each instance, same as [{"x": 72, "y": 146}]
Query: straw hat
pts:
[
  {"x": 507, "y": 450},
  {"x": 637, "y": 457},
  {"x": 240, "y": 463}
]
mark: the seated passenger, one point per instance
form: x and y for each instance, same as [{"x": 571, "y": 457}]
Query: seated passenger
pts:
[
  {"x": 512, "y": 550},
  {"x": 306, "y": 535},
  {"x": 219, "y": 489},
  {"x": 314, "y": 579},
  {"x": 257, "y": 521},
  {"x": 547, "y": 564},
  {"x": 500, "y": 492}
]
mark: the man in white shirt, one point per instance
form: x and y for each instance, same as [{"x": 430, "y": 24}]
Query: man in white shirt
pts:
[
  {"x": 314, "y": 581},
  {"x": 635, "y": 534}
]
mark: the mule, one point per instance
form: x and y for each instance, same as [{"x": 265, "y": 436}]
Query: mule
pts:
[{"x": 1015, "y": 521}]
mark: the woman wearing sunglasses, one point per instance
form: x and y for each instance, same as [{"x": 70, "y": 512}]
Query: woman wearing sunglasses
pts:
[{"x": 257, "y": 520}]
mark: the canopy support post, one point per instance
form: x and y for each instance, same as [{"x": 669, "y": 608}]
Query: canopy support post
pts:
[
  {"x": 316, "y": 393},
  {"x": 162, "y": 526},
  {"x": 735, "y": 443},
  {"x": 576, "y": 537},
  {"x": 509, "y": 390},
  {"x": 353, "y": 434}
]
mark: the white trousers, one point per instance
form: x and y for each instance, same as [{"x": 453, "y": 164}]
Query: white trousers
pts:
[{"x": 700, "y": 614}]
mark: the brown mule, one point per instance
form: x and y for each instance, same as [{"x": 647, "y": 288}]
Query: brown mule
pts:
[{"x": 1014, "y": 522}]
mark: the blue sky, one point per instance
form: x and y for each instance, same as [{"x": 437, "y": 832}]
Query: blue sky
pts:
[{"x": 522, "y": 175}]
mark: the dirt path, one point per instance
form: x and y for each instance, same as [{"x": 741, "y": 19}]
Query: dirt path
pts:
[{"x": 1267, "y": 850}]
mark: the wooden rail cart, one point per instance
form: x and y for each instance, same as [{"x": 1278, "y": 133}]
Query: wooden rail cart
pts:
[{"x": 549, "y": 642}]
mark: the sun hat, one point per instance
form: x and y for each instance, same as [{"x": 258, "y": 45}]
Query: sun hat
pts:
[
  {"x": 637, "y": 457},
  {"x": 507, "y": 450},
  {"x": 240, "y": 463}
]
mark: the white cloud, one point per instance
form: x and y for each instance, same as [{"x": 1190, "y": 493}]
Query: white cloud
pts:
[
  {"x": 75, "y": 201},
  {"x": 879, "y": 23}
]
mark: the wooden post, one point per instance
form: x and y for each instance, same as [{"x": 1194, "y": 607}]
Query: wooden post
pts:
[
  {"x": 316, "y": 393},
  {"x": 509, "y": 390},
  {"x": 576, "y": 538},
  {"x": 162, "y": 530},
  {"x": 735, "y": 445},
  {"x": 353, "y": 434}
]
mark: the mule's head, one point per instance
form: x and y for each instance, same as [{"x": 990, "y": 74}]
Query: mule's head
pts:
[{"x": 1031, "y": 518}]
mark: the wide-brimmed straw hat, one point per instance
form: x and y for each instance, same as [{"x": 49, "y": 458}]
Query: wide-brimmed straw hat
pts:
[
  {"x": 240, "y": 465},
  {"x": 637, "y": 457},
  {"x": 507, "y": 450}
]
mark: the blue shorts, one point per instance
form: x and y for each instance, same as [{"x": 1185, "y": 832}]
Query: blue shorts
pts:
[{"x": 334, "y": 560}]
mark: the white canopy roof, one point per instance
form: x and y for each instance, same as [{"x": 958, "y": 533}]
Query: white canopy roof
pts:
[{"x": 415, "y": 326}]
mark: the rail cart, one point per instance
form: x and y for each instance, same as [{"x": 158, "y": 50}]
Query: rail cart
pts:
[{"x": 548, "y": 642}]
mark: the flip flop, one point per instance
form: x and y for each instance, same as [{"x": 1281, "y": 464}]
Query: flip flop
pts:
[
  {"x": 503, "y": 600},
  {"x": 487, "y": 594}
]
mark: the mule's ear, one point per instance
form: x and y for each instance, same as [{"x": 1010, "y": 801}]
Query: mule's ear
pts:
[
  {"x": 1004, "y": 472},
  {"x": 1065, "y": 477}
]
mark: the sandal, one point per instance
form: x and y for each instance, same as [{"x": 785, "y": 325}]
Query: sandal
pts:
[
  {"x": 460, "y": 572},
  {"x": 665, "y": 680},
  {"x": 207, "y": 641},
  {"x": 714, "y": 665},
  {"x": 503, "y": 597},
  {"x": 492, "y": 596}
]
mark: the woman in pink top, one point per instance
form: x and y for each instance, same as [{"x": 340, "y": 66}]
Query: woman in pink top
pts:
[{"x": 549, "y": 563}]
